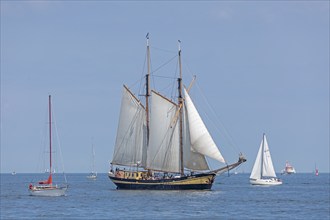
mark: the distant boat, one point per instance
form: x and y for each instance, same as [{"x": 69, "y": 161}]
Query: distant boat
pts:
[
  {"x": 13, "y": 173},
  {"x": 263, "y": 172},
  {"x": 289, "y": 169},
  {"x": 46, "y": 187},
  {"x": 93, "y": 174},
  {"x": 163, "y": 145},
  {"x": 316, "y": 171}
]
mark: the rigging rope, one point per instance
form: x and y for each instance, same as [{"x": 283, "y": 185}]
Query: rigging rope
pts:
[
  {"x": 232, "y": 143},
  {"x": 226, "y": 132},
  {"x": 59, "y": 145}
]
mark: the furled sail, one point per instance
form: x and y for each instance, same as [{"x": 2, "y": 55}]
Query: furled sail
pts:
[
  {"x": 130, "y": 141},
  {"x": 163, "y": 150},
  {"x": 263, "y": 166},
  {"x": 201, "y": 140}
]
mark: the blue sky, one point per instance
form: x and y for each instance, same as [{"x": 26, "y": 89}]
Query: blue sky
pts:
[{"x": 263, "y": 66}]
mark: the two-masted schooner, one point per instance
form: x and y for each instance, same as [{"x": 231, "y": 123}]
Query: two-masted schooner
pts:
[{"x": 163, "y": 144}]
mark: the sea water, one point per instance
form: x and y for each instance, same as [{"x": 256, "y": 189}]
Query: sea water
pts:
[{"x": 301, "y": 196}]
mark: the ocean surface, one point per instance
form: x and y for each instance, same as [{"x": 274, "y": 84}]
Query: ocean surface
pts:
[{"x": 302, "y": 196}]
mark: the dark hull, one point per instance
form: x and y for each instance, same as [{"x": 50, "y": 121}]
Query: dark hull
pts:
[{"x": 194, "y": 182}]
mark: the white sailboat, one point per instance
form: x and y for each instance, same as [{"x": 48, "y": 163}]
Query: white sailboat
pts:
[
  {"x": 263, "y": 172},
  {"x": 163, "y": 145},
  {"x": 47, "y": 187},
  {"x": 93, "y": 174}
]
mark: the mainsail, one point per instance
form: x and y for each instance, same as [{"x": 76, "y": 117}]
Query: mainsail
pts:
[
  {"x": 163, "y": 150},
  {"x": 263, "y": 166},
  {"x": 130, "y": 145}
]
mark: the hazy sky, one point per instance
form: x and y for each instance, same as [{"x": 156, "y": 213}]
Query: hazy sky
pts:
[{"x": 263, "y": 66}]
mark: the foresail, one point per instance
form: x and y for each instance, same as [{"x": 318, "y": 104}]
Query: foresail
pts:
[
  {"x": 163, "y": 149},
  {"x": 256, "y": 170},
  {"x": 192, "y": 159},
  {"x": 130, "y": 141},
  {"x": 268, "y": 168},
  {"x": 201, "y": 139}
]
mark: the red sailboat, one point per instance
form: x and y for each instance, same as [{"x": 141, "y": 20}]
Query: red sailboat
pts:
[{"x": 47, "y": 187}]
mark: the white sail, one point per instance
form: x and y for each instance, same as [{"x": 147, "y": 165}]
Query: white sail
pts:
[
  {"x": 163, "y": 149},
  {"x": 192, "y": 159},
  {"x": 256, "y": 170},
  {"x": 130, "y": 141},
  {"x": 263, "y": 166},
  {"x": 201, "y": 139},
  {"x": 268, "y": 168}
]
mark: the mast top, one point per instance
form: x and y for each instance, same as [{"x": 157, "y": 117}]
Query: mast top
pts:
[
  {"x": 179, "y": 45},
  {"x": 147, "y": 36}
]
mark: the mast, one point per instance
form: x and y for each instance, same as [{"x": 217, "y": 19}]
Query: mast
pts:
[
  {"x": 50, "y": 135},
  {"x": 147, "y": 88},
  {"x": 262, "y": 155},
  {"x": 180, "y": 101},
  {"x": 93, "y": 158}
]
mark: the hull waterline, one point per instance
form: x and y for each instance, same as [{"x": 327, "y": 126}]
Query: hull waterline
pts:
[
  {"x": 48, "y": 191},
  {"x": 193, "y": 182},
  {"x": 266, "y": 182}
]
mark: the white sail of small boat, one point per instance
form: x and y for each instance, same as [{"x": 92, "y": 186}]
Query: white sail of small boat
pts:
[
  {"x": 163, "y": 145},
  {"x": 263, "y": 172},
  {"x": 93, "y": 174},
  {"x": 47, "y": 187}
]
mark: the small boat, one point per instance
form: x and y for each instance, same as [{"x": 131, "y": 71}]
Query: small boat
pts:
[
  {"x": 263, "y": 172},
  {"x": 289, "y": 169},
  {"x": 316, "y": 171},
  {"x": 93, "y": 174},
  {"x": 13, "y": 173},
  {"x": 47, "y": 187},
  {"x": 163, "y": 145}
]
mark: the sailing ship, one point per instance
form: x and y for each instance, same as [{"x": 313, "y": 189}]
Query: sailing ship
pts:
[
  {"x": 93, "y": 174},
  {"x": 289, "y": 169},
  {"x": 263, "y": 172},
  {"x": 47, "y": 187},
  {"x": 163, "y": 144}
]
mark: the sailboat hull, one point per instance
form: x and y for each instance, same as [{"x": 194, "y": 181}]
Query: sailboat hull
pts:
[
  {"x": 266, "y": 182},
  {"x": 193, "y": 182},
  {"x": 46, "y": 191},
  {"x": 92, "y": 176}
]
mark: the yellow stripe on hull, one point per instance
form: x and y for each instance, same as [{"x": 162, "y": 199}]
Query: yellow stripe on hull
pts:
[{"x": 203, "y": 181}]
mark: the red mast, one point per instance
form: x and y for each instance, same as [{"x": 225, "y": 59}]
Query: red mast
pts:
[{"x": 50, "y": 136}]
